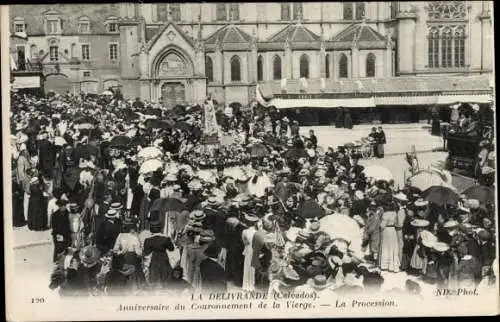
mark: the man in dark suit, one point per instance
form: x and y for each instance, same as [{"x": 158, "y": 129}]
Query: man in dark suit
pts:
[
  {"x": 313, "y": 139},
  {"x": 355, "y": 169},
  {"x": 213, "y": 278},
  {"x": 47, "y": 155},
  {"x": 61, "y": 229},
  {"x": 108, "y": 232}
]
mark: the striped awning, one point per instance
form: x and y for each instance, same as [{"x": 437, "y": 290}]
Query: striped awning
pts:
[
  {"x": 280, "y": 103},
  {"x": 453, "y": 99},
  {"x": 406, "y": 100}
]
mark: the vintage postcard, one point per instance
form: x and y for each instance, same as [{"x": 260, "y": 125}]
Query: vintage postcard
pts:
[{"x": 249, "y": 160}]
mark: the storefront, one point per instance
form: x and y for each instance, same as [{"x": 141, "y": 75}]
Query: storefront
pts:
[
  {"x": 324, "y": 109},
  {"x": 28, "y": 82}
]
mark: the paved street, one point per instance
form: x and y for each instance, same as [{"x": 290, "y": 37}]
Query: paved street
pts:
[{"x": 400, "y": 137}]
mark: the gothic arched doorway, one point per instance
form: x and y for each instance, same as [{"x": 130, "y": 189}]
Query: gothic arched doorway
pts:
[{"x": 173, "y": 94}]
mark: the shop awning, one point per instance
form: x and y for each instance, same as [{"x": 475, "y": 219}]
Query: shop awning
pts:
[
  {"x": 453, "y": 99},
  {"x": 281, "y": 103},
  {"x": 406, "y": 100}
]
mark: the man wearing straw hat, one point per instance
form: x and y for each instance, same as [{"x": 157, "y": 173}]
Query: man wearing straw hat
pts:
[{"x": 108, "y": 232}]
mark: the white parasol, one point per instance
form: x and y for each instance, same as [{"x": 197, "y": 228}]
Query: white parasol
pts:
[
  {"x": 378, "y": 173},
  {"x": 259, "y": 187},
  {"x": 150, "y": 166},
  {"x": 427, "y": 178},
  {"x": 84, "y": 126},
  {"x": 107, "y": 93},
  {"x": 207, "y": 175},
  {"x": 59, "y": 141},
  {"x": 150, "y": 152},
  {"x": 237, "y": 173},
  {"x": 343, "y": 226}
]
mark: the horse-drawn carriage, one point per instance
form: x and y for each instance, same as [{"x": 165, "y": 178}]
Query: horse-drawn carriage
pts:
[{"x": 463, "y": 153}]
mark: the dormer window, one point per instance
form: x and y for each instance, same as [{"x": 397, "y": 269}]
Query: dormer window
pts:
[
  {"x": 112, "y": 25},
  {"x": 84, "y": 25},
  {"x": 53, "y": 23},
  {"x": 19, "y": 25}
]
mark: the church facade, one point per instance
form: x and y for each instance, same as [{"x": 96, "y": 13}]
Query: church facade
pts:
[{"x": 177, "y": 53}]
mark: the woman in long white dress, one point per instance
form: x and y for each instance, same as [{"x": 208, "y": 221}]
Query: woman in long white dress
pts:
[
  {"x": 389, "y": 249},
  {"x": 247, "y": 237}
]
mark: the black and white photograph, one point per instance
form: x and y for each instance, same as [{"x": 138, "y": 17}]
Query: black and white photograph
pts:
[{"x": 247, "y": 159}]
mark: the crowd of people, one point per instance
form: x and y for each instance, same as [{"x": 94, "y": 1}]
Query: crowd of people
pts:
[{"x": 139, "y": 200}]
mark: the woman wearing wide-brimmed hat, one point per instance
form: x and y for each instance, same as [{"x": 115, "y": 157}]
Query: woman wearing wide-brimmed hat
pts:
[
  {"x": 129, "y": 246},
  {"x": 37, "y": 208},
  {"x": 159, "y": 269},
  {"x": 120, "y": 279},
  {"x": 90, "y": 267},
  {"x": 419, "y": 258},
  {"x": 444, "y": 261}
]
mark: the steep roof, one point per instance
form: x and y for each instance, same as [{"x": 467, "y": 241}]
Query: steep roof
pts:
[
  {"x": 229, "y": 34},
  {"x": 160, "y": 32},
  {"x": 69, "y": 13},
  {"x": 294, "y": 33},
  {"x": 373, "y": 86},
  {"x": 358, "y": 32}
]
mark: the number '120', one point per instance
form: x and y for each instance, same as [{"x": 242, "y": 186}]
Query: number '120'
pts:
[{"x": 37, "y": 300}]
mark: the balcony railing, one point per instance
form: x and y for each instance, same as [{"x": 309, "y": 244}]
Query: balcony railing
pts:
[{"x": 27, "y": 66}]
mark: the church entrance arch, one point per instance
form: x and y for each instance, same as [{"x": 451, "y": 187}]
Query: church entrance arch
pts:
[{"x": 172, "y": 71}]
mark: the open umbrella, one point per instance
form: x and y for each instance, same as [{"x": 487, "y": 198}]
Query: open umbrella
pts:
[
  {"x": 310, "y": 209},
  {"x": 378, "y": 172},
  {"x": 343, "y": 226},
  {"x": 427, "y": 178},
  {"x": 107, "y": 93},
  {"x": 150, "y": 166},
  {"x": 130, "y": 115},
  {"x": 183, "y": 126},
  {"x": 153, "y": 111},
  {"x": 150, "y": 152},
  {"x": 82, "y": 119},
  {"x": 86, "y": 150},
  {"x": 174, "y": 204},
  {"x": 120, "y": 141},
  {"x": 295, "y": 153},
  {"x": 441, "y": 195},
  {"x": 483, "y": 194},
  {"x": 284, "y": 191},
  {"x": 179, "y": 109},
  {"x": 157, "y": 124},
  {"x": 258, "y": 150}
]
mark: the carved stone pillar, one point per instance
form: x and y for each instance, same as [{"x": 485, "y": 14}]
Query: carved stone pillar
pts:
[
  {"x": 406, "y": 43},
  {"x": 288, "y": 60},
  {"x": 322, "y": 58},
  {"x": 218, "y": 63},
  {"x": 354, "y": 61}
]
